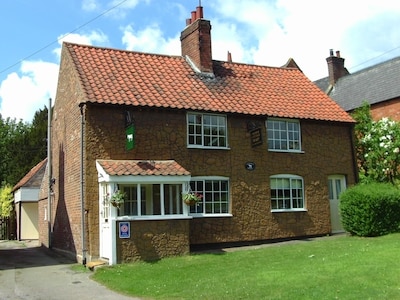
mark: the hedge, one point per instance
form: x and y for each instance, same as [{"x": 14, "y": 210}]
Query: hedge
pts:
[{"x": 371, "y": 209}]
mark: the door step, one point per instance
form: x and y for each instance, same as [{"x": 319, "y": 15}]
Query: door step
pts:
[{"x": 93, "y": 264}]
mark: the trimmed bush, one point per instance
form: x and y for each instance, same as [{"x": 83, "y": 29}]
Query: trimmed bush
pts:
[{"x": 371, "y": 209}]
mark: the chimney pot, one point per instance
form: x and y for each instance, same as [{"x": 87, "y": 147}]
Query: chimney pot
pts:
[
  {"x": 336, "y": 67},
  {"x": 199, "y": 12},
  {"x": 193, "y": 16},
  {"x": 330, "y": 52},
  {"x": 229, "y": 57}
]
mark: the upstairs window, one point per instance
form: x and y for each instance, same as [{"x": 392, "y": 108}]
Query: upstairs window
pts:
[
  {"x": 207, "y": 130},
  {"x": 283, "y": 135},
  {"x": 287, "y": 193}
]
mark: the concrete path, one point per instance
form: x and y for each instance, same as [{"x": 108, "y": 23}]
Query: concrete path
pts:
[{"x": 28, "y": 271}]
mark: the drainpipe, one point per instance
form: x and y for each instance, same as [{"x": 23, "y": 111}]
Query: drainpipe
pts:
[
  {"x": 50, "y": 173},
  {"x": 354, "y": 154},
  {"x": 82, "y": 190}
]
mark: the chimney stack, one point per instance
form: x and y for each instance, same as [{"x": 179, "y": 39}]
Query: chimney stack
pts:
[
  {"x": 336, "y": 67},
  {"x": 229, "y": 57},
  {"x": 196, "y": 41}
]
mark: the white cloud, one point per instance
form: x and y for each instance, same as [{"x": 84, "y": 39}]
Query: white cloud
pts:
[
  {"x": 23, "y": 95},
  {"x": 271, "y": 32},
  {"x": 24, "y": 92},
  {"x": 151, "y": 39},
  {"x": 117, "y": 9},
  {"x": 94, "y": 37},
  {"x": 89, "y": 5}
]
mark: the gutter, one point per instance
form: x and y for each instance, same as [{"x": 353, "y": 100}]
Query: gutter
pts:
[{"x": 50, "y": 175}]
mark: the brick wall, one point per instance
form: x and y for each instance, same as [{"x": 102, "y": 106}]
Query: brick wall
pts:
[
  {"x": 389, "y": 109},
  {"x": 66, "y": 208},
  {"x": 196, "y": 43}
]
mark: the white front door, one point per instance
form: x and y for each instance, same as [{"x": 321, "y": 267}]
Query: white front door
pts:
[
  {"x": 336, "y": 184},
  {"x": 105, "y": 224}
]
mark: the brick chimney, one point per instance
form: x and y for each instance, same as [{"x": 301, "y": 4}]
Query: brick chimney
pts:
[
  {"x": 336, "y": 67},
  {"x": 196, "y": 41}
]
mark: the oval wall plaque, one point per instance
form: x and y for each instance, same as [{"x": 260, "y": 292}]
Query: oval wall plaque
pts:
[{"x": 250, "y": 166}]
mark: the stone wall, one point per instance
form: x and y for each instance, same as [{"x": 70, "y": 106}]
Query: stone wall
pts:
[
  {"x": 153, "y": 240},
  {"x": 161, "y": 134}
]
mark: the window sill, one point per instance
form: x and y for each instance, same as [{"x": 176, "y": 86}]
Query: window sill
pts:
[
  {"x": 208, "y": 148},
  {"x": 288, "y": 210},
  {"x": 286, "y": 151},
  {"x": 153, "y": 218},
  {"x": 195, "y": 216}
]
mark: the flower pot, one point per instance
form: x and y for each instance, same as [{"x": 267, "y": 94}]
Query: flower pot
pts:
[
  {"x": 115, "y": 204},
  {"x": 190, "y": 202}
]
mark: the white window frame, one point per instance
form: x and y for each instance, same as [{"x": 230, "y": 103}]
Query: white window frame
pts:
[
  {"x": 287, "y": 132},
  {"x": 292, "y": 178},
  {"x": 196, "y": 131},
  {"x": 200, "y": 209},
  {"x": 145, "y": 206}
]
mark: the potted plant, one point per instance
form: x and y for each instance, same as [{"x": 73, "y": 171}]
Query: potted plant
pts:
[
  {"x": 117, "y": 198},
  {"x": 192, "y": 198}
]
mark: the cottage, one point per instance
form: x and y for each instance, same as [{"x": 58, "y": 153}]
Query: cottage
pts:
[
  {"x": 376, "y": 85},
  {"x": 262, "y": 149}
]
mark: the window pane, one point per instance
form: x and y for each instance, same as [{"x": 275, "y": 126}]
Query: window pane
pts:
[
  {"x": 283, "y": 135},
  {"x": 207, "y": 130},
  {"x": 286, "y": 193},
  {"x": 215, "y": 196},
  {"x": 172, "y": 199},
  {"x": 338, "y": 187}
]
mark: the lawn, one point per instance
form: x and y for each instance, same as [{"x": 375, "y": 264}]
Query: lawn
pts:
[{"x": 339, "y": 267}]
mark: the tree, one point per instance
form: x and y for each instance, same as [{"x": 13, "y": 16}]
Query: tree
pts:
[
  {"x": 363, "y": 117},
  {"x": 11, "y": 132},
  {"x": 6, "y": 200},
  {"x": 22, "y": 146},
  {"x": 38, "y": 136},
  {"x": 378, "y": 147}
]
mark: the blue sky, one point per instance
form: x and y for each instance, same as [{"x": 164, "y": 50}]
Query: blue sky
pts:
[{"x": 265, "y": 32}]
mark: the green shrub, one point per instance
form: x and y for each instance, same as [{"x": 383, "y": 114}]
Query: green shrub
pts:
[{"x": 371, "y": 209}]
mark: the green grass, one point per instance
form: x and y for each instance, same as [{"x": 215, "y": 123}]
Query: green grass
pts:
[
  {"x": 341, "y": 267},
  {"x": 79, "y": 268}
]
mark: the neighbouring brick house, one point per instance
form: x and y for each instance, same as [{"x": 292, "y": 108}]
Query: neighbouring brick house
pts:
[
  {"x": 377, "y": 85},
  {"x": 264, "y": 147}
]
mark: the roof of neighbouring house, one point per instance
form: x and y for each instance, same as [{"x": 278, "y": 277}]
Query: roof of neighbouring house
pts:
[
  {"x": 151, "y": 80},
  {"x": 142, "y": 168},
  {"x": 374, "y": 84},
  {"x": 34, "y": 177}
]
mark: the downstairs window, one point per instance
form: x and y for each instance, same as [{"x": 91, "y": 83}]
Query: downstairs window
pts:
[{"x": 287, "y": 193}]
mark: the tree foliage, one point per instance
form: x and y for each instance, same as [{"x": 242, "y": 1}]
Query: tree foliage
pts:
[
  {"x": 22, "y": 146},
  {"x": 377, "y": 147},
  {"x": 6, "y": 201}
]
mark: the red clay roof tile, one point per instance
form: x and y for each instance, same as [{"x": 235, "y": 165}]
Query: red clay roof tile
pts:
[
  {"x": 143, "y": 167},
  {"x": 139, "y": 79}
]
